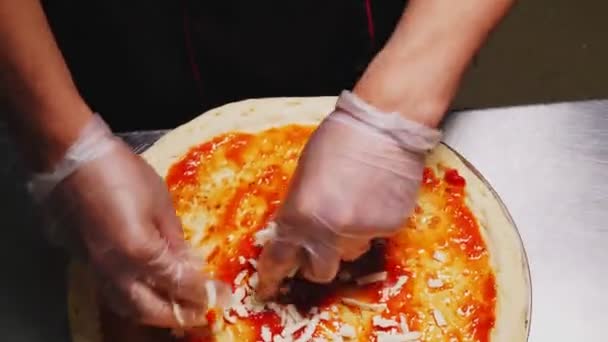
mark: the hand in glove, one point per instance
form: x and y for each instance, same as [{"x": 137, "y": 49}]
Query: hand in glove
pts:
[
  {"x": 118, "y": 210},
  {"x": 357, "y": 180}
]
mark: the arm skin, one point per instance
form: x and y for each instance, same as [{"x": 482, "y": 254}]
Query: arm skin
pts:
[
  {"x": 416, "y": 74},
  {"x": 418, "y": 71},
  {"x": 47, "y": 110}
]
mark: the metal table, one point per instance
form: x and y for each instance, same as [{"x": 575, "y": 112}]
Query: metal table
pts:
[{"x": 549, "y": 164}]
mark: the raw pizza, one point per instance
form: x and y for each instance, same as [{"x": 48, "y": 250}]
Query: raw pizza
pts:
[{"x": 455, "y": 271}]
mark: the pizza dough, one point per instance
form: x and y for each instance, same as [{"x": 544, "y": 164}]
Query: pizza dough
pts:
[{"x": 500, "y": 235}]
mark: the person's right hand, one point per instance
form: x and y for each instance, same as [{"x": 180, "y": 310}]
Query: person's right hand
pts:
[
  {"x": 357, "y": 180},
  {"x": 120, "y": 213}
]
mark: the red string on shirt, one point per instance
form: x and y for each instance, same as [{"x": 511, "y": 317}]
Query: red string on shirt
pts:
[
  {"x": 194, "y": 68},
  {"x": 370, "y": 22}
]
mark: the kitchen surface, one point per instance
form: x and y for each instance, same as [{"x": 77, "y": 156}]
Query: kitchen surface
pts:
[
  {"x": 548, "y": 163},
  {"x": 544, "y": 51}
]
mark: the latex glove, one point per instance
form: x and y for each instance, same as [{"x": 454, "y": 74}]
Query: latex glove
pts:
[
  {"x": 119, "y": 212},
  {"x": 357, "y": 179}
]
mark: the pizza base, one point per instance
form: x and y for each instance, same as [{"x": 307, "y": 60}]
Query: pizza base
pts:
[
  {"x": 506, "y": 251},
  {"x": 507, "y": 256}
]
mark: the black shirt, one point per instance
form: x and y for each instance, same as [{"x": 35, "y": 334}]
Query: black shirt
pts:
[{"x": 156, "y": 63}]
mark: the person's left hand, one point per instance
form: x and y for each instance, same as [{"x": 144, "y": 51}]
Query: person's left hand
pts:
[
  {"x": 357, "y": 180},
  {"x": 107, "y": 205}
]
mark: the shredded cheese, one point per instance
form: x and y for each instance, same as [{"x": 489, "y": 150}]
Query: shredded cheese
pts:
[
  {"x": 253, "y": 305},
  {"x": 292, "y": 328},
  {"x": 395, "y": 289},
  {"x": 239, "y": 295},
  {"x": 244, "y": 304},
  {"x": 279, "y": 311},
  {"x": 265, "y": 235},
  {"x": 274, "y": 307},
  {"x": 434, "y": 283},
  {"x": 406, "y": 337},
  {"x": 228, "y": 317},
  {"x": 372, "y": 278},
  {"x": 293, "y": 313},
  {"x": 403, "y": 323},
  {"x": 347, "y": 331},
  {"x": 211, "y": 294},
  {"x": 282, "y": 314},
  {"x": 439, "y": 319},
  {"x": 336, "y": 338},
  {"x": 240, "y": 310},
  {"x": 363, "y": 305},
  {"x": 309, "y": 331},
  {"x": 279, "y": 338},
  {"x": 177, "y": 313},
  {"x": 253, "y": 280},
  {"x": 440, "y": 256},
  {"x": 266, "y": 334},
  {"x": 239, "y": 277},
  {"x": 381, "y": 322}
]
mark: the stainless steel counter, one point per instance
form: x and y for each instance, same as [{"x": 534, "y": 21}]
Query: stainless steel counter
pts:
[{"x": 549, "y": 164}]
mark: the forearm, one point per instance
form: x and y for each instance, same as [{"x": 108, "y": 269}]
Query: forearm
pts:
[
  {"x": 418, "y": 71},
  {"x": 47, "y": 111}
]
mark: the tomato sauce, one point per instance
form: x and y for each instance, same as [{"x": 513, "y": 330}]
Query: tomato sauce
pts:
[
  {"x": 236, "y": 148},
  {"x": 227, "y": 261},
  {"x": 429, "y": 180},
  {"x": 263, "y": 165},
  {"x": 452, "y": 177},
  {"x": 468, "y": 235},
  {"x": 211, "y": 317},
  {"x": 185, "y": 171},
  {"x": 268, "y": 319}
]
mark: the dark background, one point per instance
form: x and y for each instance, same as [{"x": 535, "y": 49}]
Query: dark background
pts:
[{"x": 131, "y": 62}]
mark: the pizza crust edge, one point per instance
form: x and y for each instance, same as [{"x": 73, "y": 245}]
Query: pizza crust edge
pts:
[{"x": 507, "y": 256}]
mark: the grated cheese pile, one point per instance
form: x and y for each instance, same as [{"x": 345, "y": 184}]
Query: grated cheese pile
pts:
[{"x": 298, "y": 327}]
